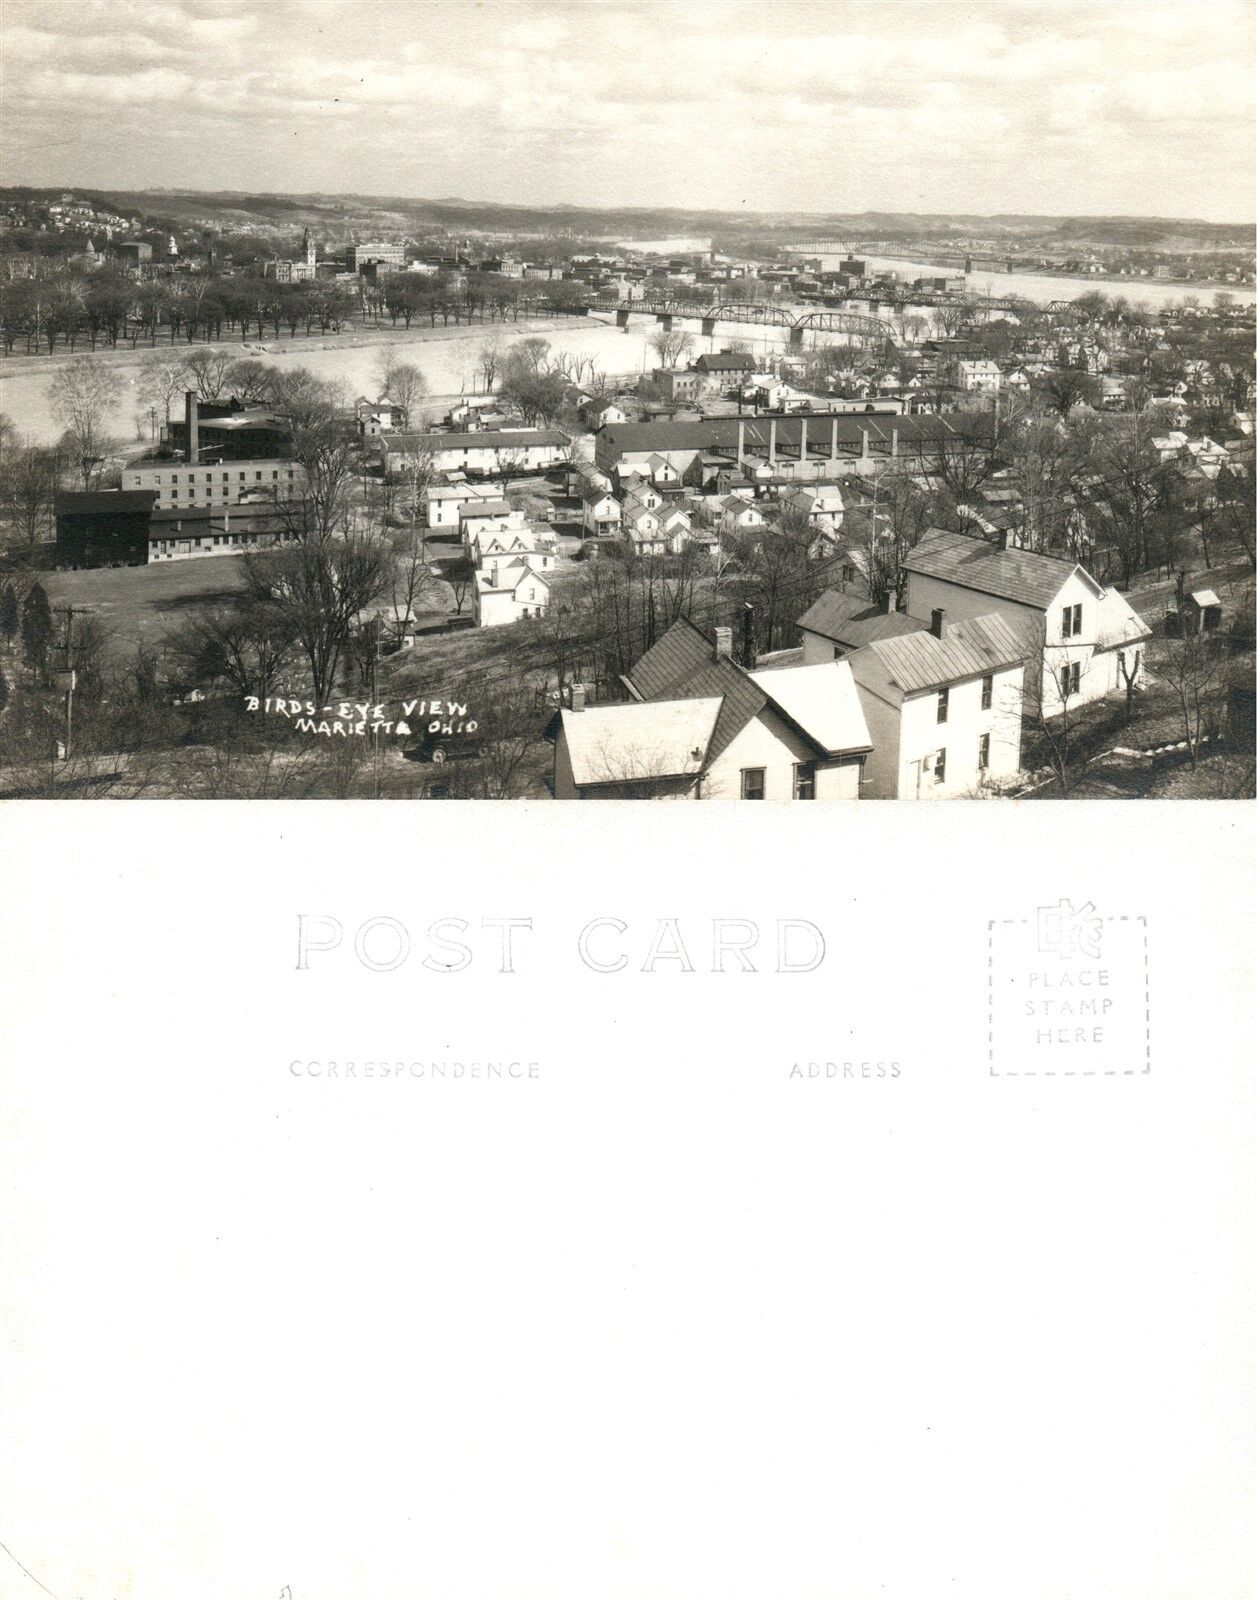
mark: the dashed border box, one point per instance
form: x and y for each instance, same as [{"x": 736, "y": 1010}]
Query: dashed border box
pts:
[{"x": 1065, "y": 1072}]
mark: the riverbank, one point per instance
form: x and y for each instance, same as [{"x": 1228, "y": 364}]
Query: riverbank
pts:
[{"x": 447, "y": 357}]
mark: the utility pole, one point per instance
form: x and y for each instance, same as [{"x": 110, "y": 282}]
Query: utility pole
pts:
[{"x": 67, "y": 678}]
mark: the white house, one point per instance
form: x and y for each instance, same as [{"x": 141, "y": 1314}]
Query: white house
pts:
[
  {"x": 487, "y": 450},
  {"x": 486, "y": 516},
  {"x": 739, "y": 516},
  {"x": 508, "y": 593},
  {"x": 443, "y": 503},
  {"x": 943, "y": 709},
  {"x": 703, "y": 728},
  {"x": 600, "y": 513},
  {"x": 822, "y": 506},
  {"x": 978, "y": 377},
  {"x": 1085, "y": 636}
]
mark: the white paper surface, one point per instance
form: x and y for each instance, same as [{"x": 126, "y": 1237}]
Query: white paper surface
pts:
[{"x": 662, "y": 1316}]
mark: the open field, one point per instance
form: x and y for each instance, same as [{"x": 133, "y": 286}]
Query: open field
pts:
[{"x": 140, "y": 605}]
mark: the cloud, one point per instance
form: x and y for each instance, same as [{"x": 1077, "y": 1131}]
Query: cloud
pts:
[{"x": 809, "y": 106}]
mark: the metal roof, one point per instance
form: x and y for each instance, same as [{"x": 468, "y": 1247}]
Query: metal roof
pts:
[
  {"x": 683, "y": 663},
  {"x": 851, "y": 621},
  {"x": 1020, "y": 575},
  {"x": 721, "y": 433},
  {"x": 970, "y": 649}
]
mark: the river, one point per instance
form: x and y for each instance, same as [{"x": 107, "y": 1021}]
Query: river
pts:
[
  {"x": 447, "y": 358},
  {"x": 1047, "y": 286}
]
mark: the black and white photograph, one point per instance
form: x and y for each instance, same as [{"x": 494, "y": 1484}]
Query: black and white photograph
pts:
[
  {"x": 534, "y": 401},
  {"x": 628, "y": 400}
]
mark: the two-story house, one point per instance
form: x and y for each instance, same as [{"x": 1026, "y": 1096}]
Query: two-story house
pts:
[
  {"x": 943, "y": 707},
  {"x": 1084, "y": 640},
  {"x": 508, "y": 593},
  {"x": 600, "y": 513},
  {"x": 701, "y": 727}
]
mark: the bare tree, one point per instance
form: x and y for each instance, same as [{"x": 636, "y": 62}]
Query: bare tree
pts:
[
  {"x": 163, "y": 375},
  {"x": 401, "y": 382},
  {"x": 670, "y": 344},
  {"x": 209, "y": 371},
  {"x": 318, "y": 590},
  {"x": 1195, "y": 670},
  {"x": 82, "y": 395},
  {"x": 29, "y": 478}
]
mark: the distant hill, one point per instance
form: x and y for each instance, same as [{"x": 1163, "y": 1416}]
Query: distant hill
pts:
[{"x": 228, "y": 209}]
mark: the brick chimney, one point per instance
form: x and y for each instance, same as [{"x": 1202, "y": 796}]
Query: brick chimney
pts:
[
  {"x": 724, "y": 644},
  {"x": 891, "y": 601},
  {"x": 578, "y": 697},
  {"x": 936, "y": 622},
  {"x": 191, "y": 417},
  {"x": 1001, "y": 539},
  {"x": 748, "y": 635}
]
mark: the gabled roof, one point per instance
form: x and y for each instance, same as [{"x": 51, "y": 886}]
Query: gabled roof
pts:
[
  {"x": 645, "y": 739},
  {"x": 916, "y": 661},
  {"x": 682, "y": 664},
  {"x": 851, "y": 621},
  {"x": 1021, "y": 575},
  {"x": 817, "y": 704},
  {"x": 822, "y": 701}
]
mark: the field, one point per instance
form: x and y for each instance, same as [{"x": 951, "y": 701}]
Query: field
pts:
[{"x": 141, "y": 605}]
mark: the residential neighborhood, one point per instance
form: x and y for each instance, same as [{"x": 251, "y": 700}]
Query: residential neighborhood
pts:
[{"x": 847, "y": 532}]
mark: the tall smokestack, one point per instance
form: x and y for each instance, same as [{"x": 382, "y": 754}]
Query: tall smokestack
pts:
[
  {"x": 803, "y": 441},
  {"x": 741, "y": 441},
  {"x": 833, "y": 438},
  {"x": 191, "y": 417},
  {"x": 772, "y": 441}
]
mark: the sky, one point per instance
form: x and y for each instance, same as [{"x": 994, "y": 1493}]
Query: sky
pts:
[{"x": 1042, "y": 106}]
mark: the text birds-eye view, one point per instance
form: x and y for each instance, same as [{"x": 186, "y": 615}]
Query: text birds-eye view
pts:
[{"x": 818, "y": 402}]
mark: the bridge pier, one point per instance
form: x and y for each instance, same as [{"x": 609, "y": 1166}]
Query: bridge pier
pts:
[
  {"x": 664, "y": 320},
  {"x": 621, "y": 318},
  {"x": 796, "y": 338},
  {"x": 708, "y": 327}
]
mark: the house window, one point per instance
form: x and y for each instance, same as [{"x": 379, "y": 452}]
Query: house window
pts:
[
  {"x": 1070, "y": 679},
  {"x": 805, "y": 780},
  {"x": 984, "y": 752},
  {"x": 942, "y": 704},
  {"x": 988, "y": 686},
  {"x": 752, "y": 783},
  {"x": 940, "y": 766},
  {"x": 1071, "y": 622}
]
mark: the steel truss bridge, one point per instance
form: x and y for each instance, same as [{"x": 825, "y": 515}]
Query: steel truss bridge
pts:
[{"x": 796, "y": 324}]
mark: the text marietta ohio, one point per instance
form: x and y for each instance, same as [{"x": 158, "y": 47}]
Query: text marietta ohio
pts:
[{"x": 602, "y": 944}]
